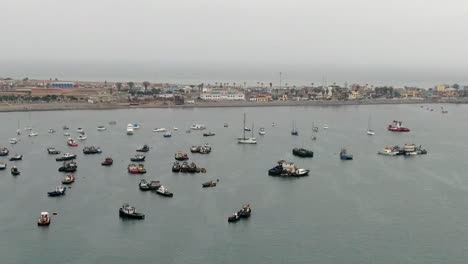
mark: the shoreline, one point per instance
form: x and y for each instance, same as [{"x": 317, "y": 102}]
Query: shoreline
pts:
[{"x": 115, "y": 106}]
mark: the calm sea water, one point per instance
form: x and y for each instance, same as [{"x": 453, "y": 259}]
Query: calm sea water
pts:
[{"x": 374, "y": 209}]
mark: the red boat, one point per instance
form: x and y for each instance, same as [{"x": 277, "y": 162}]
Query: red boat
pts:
[
  {"x": 396, "y": 127},
  {"x": 44, "y": 220},
  {"x": 72, "y": 143}
]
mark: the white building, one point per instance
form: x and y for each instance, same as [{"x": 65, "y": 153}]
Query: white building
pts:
[{"x": 227, "y": 96}]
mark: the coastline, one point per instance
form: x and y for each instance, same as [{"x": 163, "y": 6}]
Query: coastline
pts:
[{"x": 105, "y": 106}]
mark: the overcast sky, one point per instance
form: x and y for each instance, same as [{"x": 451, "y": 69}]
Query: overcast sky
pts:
[{"x": 420, "y": 36}]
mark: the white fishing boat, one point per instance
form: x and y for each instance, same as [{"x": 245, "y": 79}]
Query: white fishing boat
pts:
[
  {"x": 33, "y": 134},
  {"x": 175, "y": 128},
  {"x": 13, "y": 140},
  {"x": 168, "y": 134},
  {"x": 198, "y": 127},
  {"x": 136, "y": 126},
  {"x": 325, "y": 127},
  {"x": 80, "y": 130},
  {"x": 370, "y": 131},
  {"x": 262, "y": 131},
  {"x": 51, "y": 131},
  {"x": 159, "y": 129},
  {"x": 101, "y": 128},
  {"x": 244, "y": 139},
  {"x": 66, "y": 134}
]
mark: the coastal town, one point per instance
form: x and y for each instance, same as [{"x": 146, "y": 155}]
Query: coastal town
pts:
[{"x": 69, "y": 94}]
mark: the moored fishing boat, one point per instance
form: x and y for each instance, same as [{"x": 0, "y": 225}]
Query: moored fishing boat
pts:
[
  {"x": 262, "y": 131},
  {"x": 107, "y": 162},
  {"x": 181, "y": 156},
  {"x": 209, "y": 134},
  {"x": 3, "y": 166},
  {"x": 344, "y": 155},
  {"x": 144, "y": 148},
  {"x": 287, "y": 169},
  {"x": 69, "y": 179},
  {"x": 167, "y": 134},
  {"x": 389, "y": 151},
  {"x": 127, "y": 211},
  {"x": 59, "y": 191},
  {"x": 51, "y": 131},
  {"x": 13, "y": 140},
  {"x": 205, "y": 149},
  {"x": 66, "y": 156},
  {"x": 68, "y": 167},
  {"x": 233, "y": 218},
  {"x": 245, "y": 212},
  {"x": 210, "y": 184},
  {"x": 303, "y": 153},
  {"x": 395, "y": 126},
  {"x": 101, "y": 128},
  {"x": 130, "y": 130},
  {"x": 159, "y": 129},
  {"x": 53, "y": 151},
  {"x": 44, "y": 219},
  {"x": 4, "y": 152},
  {"x": 136, "y": 169},
  {"x": 176, "y": 167},
  {"x": 154, "y": 185},
  {"x": 33, "y": 134},
  {"x": 82, "y": 137},
  {"x": 164, "y": 191},
  {"x": 91, "y": 150},
  {"x": 143, "y": 185},
  {"x": 79, "y": 130},
  {"x": 138, "y": 158}
]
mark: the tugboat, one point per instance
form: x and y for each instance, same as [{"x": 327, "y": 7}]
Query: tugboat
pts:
[
  {"x": 14, "y": 171},
  {"x": 303, "y": 153},
  {"x": 52, "y": 151},
  {"x": 138, "y": 158},
  {"x": 4, "y": 152},
  {"x": 72, "y": 143},
  {"x": 66, "y": 156},
  {"x": 344, "y": 155},
  {"x": 181, "y": 156},
  {"x": 127, "y": 211},
  {"x": 287, "y": 169},
  {"x": 143, "y": 185},
  {"x": 210, "y": 184},
  {"x": 245, "y": 212},
  {"x": 209, "y": 134},
  {"x": 59, "y": 191},
  {"x": 145, "y": 148},
  {"x": 68, "y": 167},
  {"x": 176, "y": 167},
  {"x": 69, "y": 179},
  {"x": 395, "y": 126},
  {"x": 16, "y": 157},
  {"x": 233, "y": 218},
  {"x": 164, "y": 192},
  {"x": 107, "y": 162},
  {"x": 44, "y": 219},
  {"x": 3, "y": 166},
  {"x": 92, "y": 150}
]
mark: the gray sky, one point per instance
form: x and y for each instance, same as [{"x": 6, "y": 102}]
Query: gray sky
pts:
[{"x": 337, "y": 36}]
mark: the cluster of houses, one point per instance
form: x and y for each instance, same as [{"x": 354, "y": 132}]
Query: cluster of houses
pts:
[{"x": 104, "y": 92}]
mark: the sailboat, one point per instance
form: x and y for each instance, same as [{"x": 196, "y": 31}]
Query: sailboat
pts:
[
  {"x": 370, "y": 132},
  {"x": 294, "y": 131},
  {"x": 244, "y": 139},
  {"x": 314, "y": 129},
  {"x": 29, "y": 123},
  {"x": 18, "y": 130}
]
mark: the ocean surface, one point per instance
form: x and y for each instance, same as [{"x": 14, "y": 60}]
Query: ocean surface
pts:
[{"x": 374, "y": 209}]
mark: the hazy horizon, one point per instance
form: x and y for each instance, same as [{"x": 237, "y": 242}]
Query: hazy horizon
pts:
[{"x": 396, "y": 42}]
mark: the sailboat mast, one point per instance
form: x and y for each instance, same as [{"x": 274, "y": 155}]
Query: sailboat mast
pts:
[
  {"x": 243, "y": 129},
  {"x": 252, "y": 129}
]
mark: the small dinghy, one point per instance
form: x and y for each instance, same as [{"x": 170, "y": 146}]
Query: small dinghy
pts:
[
  {"x": 14, "y": 171},
  {"x": 16, "y": 157}
]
